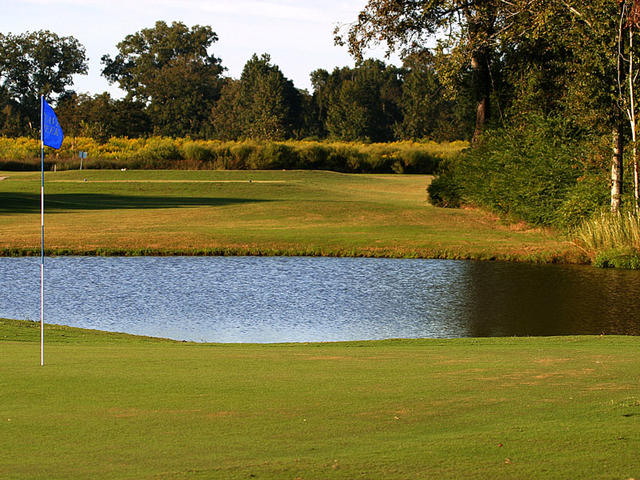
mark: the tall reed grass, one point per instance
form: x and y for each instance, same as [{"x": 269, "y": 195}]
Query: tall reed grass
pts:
[
  {"x": 613, "y": 239},
  {"x": 185, "y": 153}
]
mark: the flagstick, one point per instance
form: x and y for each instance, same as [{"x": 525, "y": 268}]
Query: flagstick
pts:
[{"x": 41, "y": 230}]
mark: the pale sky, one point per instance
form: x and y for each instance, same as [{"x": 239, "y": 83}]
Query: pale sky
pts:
[{"x": 298, "y": 34}]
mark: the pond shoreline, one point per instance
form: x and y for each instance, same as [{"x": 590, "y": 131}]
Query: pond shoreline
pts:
[
  {"x": 569, "y": 257},
  {"x": 17, "y": 330}
]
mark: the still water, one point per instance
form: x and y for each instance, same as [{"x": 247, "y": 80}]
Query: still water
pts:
[{"x": 295, "y": 299}]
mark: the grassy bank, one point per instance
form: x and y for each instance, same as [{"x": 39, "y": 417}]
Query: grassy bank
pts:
[
  {"x": 116, "y": 406},
  {"x": 257, "y": 213}
]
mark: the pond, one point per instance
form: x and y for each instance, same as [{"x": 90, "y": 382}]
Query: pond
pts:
[{"x": 301, "y": 299}]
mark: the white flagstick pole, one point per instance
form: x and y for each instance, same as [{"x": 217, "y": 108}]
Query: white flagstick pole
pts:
[{"x": 41, "y": 230}]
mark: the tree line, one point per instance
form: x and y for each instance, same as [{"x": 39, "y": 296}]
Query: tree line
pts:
[
  {"x": 553, "y": 86},
  {"x": 174, "y": 86}
]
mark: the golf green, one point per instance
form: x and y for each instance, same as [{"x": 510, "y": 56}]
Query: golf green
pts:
[{"x": 116, "y": 406}]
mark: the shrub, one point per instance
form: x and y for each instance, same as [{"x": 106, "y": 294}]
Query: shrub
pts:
[
  {"x": 313, "y": 156},
  {"x": 272, "y": 155},
  {"x": 622, "y": 257},
  {"x": 163, "y": 152},
  {"x": 196, "y": 152},
  {"x": 416, "y": 161},
  {"x": 444, "y": 191},
  {"x": 589, "y": 194},
  {"x": 359, "y": 161},
  {"x": 158, "y": 152},
  {"x": 240, "y": 156},
  {"x": 527, "y": 171}
]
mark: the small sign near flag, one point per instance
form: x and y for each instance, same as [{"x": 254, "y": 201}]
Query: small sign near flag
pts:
[{"x": 51, "y": 130}]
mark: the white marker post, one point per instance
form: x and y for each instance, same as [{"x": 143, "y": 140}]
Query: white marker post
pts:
[
  {"x": 50, "y": 135},
  {"x": 42, "y": 230}
]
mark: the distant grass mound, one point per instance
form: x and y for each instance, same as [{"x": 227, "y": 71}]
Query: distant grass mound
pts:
[
  {"x": 113, "y": 406},
  {"x": 177, "y": 212}
]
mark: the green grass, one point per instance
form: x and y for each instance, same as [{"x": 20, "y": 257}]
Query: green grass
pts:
[
  {"x": 116, "y": 406},
  {"x": 257, "y": 213}
]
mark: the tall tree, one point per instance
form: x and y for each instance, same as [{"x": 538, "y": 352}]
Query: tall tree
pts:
[
  {"x": 365, "y": 102},
  {"x": 465, "y": 27},
  {"x": 101, "y": 117},
  {"x": 361, "y": 103},
  {"x": 226, "y": 113},
  {"x": 34, "y": 64},
  {"x": 267, "y": 98},
  {"x": 428, "y": 109},
  {"x": 262, "y": 104},
  {"x": 170, "y": 69},
  {"x": 628, "y": 68},
  {"x": 595, "y": 82},
  {"x": 324, "y": 87}
]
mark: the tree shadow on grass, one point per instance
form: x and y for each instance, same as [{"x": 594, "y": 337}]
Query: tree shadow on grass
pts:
[{"x": 62, "y": 202}]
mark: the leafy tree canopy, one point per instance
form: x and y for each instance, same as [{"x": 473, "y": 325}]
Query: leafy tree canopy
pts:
[
  {"x": 359, "y": 103},
  {"x": 34, "y": 64},
  {"x": 262, "y": 104},
  {"x": 143, "y": 55},
  {"x": 169, "y": 68},
  {"x": 466, "y": 30}
]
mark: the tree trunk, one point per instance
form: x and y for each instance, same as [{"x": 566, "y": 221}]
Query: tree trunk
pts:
[
  {"x": 616, "y": 168},
  {"x": 481, "y": 29},
  {"x": 632, "y": 123},
  {"x": 482, "y": 83}
]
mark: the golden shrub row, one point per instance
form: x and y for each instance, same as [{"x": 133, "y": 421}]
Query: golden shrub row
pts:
[{"x": 163, "y": 152}]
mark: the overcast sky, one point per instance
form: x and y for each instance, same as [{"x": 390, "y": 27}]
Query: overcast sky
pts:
[{"x": 298, "y": 34}]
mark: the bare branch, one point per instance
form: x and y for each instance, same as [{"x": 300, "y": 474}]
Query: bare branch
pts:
[{"x": 578, "y": 13}]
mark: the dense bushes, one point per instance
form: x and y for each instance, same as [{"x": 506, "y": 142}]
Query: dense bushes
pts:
[
  {"x": 445, "y": 190},
  {"x": 546, "y": 173},
  {"x": 541, "y": 171},
  {"x": 163, "y": 152}
]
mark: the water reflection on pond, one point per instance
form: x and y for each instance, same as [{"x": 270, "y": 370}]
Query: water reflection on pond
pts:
[{"x": 249, "y": 299}]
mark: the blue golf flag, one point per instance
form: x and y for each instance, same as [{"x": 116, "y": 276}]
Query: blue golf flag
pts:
[{"x": 51, "y": 130}]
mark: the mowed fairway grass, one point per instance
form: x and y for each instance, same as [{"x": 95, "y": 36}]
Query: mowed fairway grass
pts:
[
  {"x": 257, "y": 213},
  {"x": 115, "y": 406}
]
